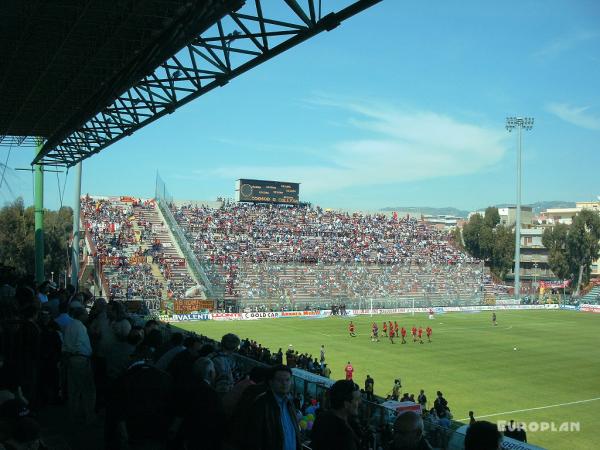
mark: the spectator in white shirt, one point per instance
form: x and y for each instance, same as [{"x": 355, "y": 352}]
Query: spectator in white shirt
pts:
[{"x": 78, "y": 350}]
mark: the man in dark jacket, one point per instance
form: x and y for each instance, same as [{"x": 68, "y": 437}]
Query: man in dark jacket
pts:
[
  {"x": 272, "y": 423},
  {"x": 333, "y": 429}
]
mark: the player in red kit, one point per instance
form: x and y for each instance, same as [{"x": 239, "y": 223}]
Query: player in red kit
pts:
[
  {"x": 428, "y": 331},
  {"x": 390, "y": 326},
  {"x": 351, "y": 330},
  {"x": 385, "y": 328},
  {"x": 349, "y": 371},
  {"x": 396, "y": 328},
  {"x": 413, "y": 331},
  {"x": 392, "y": 334},
  {"x": 420, "y": 335},
  {"x": 403, "y": 333}
]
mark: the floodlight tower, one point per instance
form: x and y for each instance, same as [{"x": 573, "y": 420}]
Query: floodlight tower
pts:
[{"x": 521, "y": 123}]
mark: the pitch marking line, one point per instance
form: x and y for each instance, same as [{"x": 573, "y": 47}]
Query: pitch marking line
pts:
[{"x": 535, "y": 409}]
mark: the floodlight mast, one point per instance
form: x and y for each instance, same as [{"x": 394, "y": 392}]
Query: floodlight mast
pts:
[{"x": 521, "y": 123}]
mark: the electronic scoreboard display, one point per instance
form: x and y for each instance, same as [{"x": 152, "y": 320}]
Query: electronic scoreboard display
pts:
[{"x": 262, "y": 191}]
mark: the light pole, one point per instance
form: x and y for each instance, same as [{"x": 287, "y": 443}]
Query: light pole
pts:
[{"x": 522, "y": 123}]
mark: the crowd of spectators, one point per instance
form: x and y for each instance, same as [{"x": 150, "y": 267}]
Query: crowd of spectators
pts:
[
  {"x": 126, "y": 247},
  {"x": 284, "y": 255},
  {"x": 127, "y": 372}
]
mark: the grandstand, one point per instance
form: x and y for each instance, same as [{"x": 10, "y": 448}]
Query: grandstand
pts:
[
  {"x": 277, "y": 257},
  {"x": 135, "y": 255}
]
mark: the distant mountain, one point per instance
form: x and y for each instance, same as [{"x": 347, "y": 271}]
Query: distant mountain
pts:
[
  {"x": 427, "y": 210},
  {"x": 538, "y": 207}
]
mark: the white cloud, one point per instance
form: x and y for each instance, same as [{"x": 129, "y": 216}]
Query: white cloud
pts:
[
  {"x": 575, "y": 115},
  {"x": 402, "y": 145},
  {"x": 565, "y": 43}
]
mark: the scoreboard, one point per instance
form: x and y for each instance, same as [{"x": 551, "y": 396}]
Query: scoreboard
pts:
[{"x": 262, "y": 191}]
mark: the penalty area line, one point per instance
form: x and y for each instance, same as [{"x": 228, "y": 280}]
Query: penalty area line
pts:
[{"x": 535, "y": 409}]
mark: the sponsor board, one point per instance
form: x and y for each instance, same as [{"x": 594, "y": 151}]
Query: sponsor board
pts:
[
  {"x": 189, "y": 317},
  {"x": 590, "y": 308},
  {"x": 260, "y": 315},
  {"x": 326, "y": 313},
  {"x": 303, "y": 314},
  {"x": 226, "y": 316},
  {"x": 570, "y": 307}
]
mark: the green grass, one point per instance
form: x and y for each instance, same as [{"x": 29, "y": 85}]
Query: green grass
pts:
[{"x": 469, "y": 360}]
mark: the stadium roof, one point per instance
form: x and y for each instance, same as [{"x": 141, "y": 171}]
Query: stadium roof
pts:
[{"x": 78, "y": 75}]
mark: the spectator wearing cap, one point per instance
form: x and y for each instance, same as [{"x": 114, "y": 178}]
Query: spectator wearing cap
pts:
[
  {"x": 408, "y": 433},
  {"x": 335, "y": 429},
  {"x": 225, "y": 365},
  {"x": 77, "y": 347},
  {"x": 483, "y": 435},
  {"x": 271, "y": 423}
]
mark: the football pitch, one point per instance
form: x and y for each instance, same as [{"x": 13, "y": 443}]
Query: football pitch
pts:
[{"x": 552, "y": 377}]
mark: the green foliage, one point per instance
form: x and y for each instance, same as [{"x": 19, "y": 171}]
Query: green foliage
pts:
[
  {"x": 583, "y": 242},
  {"x": 457, "y": 238},
  {"x": 17, "y": 241},
  {"x": 485, "y": 239},
  {"x": 572, "y": 249},
  {"x": 503, "y": 251},
  {"x": 471, "y": 233},
  {"x": 492, "y": 217}
]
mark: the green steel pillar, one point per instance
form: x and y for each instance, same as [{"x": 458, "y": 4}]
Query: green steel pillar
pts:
[
  {"x": 38, "y": 202},
  {"x": 76, "y": 219}
]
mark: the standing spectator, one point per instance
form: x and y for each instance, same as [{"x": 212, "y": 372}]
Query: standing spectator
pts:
[
  {"x": 272, "y": 424},
  {"x": 471, "y": 418},
  {"x": 176, "y": 347},
  {"x": 334, "y": 429},
  {"x": 181, "y": 365},
  {"x": 369, "y": 387},
  {"x": 139, "y": 406},
  {"x": 483, "y": 435},
  {"x": 81, "y": 388},
  {"x": 199, "y": 410},
  {"x": 422, "y": 399},
  {"x": 225, "y": 366},
  {"x": 440, "y": 404},
  {"x": 326, "y": 371},
  {"x": 322, "y": 360},
  {"x": 408, "y": 433}
]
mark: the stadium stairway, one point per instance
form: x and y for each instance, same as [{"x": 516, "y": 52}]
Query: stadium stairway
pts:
[
  {"x": 180, "y": 276},
  {"x": 593, "y": 296}
]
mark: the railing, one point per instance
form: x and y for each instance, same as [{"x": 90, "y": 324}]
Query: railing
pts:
[{"x": 192, "y": 260}]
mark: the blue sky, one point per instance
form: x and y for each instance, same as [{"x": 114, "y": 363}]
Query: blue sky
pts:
[{"x": 402, "y": 105}]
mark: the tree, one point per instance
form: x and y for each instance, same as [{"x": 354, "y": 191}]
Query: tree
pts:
[
  {"x": 583, "y": 243},
  {"x": 471, "y": 233},
  {"x": 503, "y": 251},
  {"x": 572, "y": 249},
  {"x": 559, "y": 260},
  {"x": 491, "y": 217},
  {"x": 457, "y": 238},
  {"x": 17, "y": 243},
  {"x": 486, "y": 239}
]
